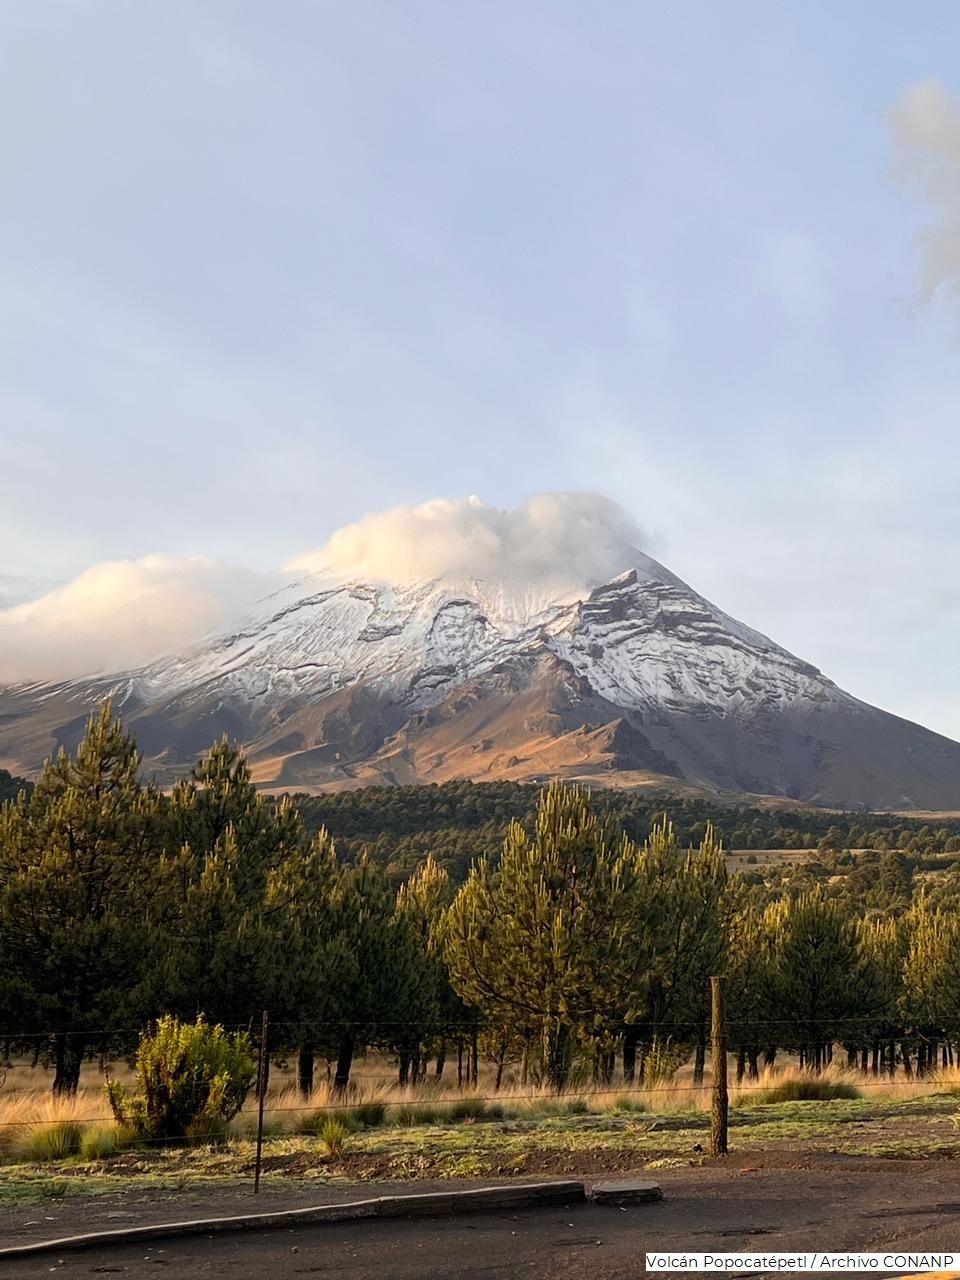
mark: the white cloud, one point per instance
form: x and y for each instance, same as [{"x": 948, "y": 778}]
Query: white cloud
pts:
[
  {"x": 120, "y": 614},
  {"x": 556, "y": 539},
  {"x": 927, "y": 129}
]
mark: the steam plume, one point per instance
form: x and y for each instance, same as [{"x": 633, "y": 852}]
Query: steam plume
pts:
[
  {"x": 122, "y": 614},
  {"x": 927, "y": 128},
  {"x": 558, "y": 539}
]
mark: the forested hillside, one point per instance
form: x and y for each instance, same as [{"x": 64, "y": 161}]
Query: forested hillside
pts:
[
  {"x": 459, "y": 821},
  {"x": 10, "y": 785}
]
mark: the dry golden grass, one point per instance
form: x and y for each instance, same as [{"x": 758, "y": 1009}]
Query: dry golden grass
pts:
[{"x": 34, "y": 1125}]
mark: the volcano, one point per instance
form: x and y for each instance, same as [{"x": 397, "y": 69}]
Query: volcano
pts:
[{"x": 638, "y": 680}]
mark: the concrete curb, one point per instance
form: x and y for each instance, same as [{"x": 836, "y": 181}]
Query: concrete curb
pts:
[{"x": 427, "y": 1204}]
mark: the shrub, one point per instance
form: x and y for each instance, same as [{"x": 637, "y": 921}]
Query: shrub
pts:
[
  {"x": 471, "y": 1109},
  {"x": 57, "y": 1141},
  {"x": 467, "y": 1109},
  {"x": 208, "y": 1130},
  {"x": 334, "y": 1136},
  {"x": 191, "y": 1079},
  {"x": 243, "y": 1127},
  {"x": 575, "y": 1107},
  {"x": 343, "y": 1116},
  {"x": 801, "y": 1090},
  {"x": 370, "y": 1114},
  {"x": 544, "y": 1107},
  {"x": 97, "y": 1142},
  {"x": 412, "y": 1115},
  {"x": 623, "y": 1102}
]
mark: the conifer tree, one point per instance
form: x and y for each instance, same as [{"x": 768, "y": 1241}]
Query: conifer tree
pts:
[
  {"x": 931, "y": 977},
  {"x": 536, "y": 942},
  {"x": 752, "y": 1011},
  {"x": 686, "y": 906},
  {"x": 303, "y": 951},
  {"x": 80, "y": 871},
  {"x": 421, "y": 902},
  {"x": 882, "y": 945},
  {"x": 372, "y": 985},
  {"x": 817, "y": 978},
  {"x": 440, "y": 1015},
  {"x": 233, "y": 845}
]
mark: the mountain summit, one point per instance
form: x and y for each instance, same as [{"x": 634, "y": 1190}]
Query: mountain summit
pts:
[{"x": 334, "y": 683}]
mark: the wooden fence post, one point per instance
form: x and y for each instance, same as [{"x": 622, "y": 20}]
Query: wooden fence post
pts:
[
  {"x": 261, "y": 1096},
  {"x": 718, "y": 1063}
]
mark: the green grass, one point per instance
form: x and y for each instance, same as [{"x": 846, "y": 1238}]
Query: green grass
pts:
[
  {"x": 558, "y": 1107},
  {"x": 473, "y": 1109},
  {"x": 335, "y": 1136},
  {"x": 44, "y": 1143},
  {"x": 370, "y": 1114},
  {"x": 413, "y": 1115},
  {"x": 99, "y": 1143},
  {"x": 624, "y": 1103}
]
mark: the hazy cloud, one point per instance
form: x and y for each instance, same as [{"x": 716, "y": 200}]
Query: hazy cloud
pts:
[{"x": 120, "y": 614}]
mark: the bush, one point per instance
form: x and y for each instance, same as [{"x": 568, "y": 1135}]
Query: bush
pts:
[
  {"x": 208, "y": 1130},
  {"x": 471, "y": 1109},
  {"x": 410, "y": 1116},
  {"x": 243, "y": 1127},
  {"x": 191, "y": 1079},
  {"x": 57, "y": 1141},
  {"x": 370, "y": 1114},
  {"x": 544, "y": 1107},
  {"x": 365, "y": 1115},
  {"x": 344, "y": 1116},
  {"x": 98, "y": 1142},
  {"x": 623, "y": 1102},
  {"x": 801, "y": 1090},
  {"x": 467, "y": 1109},
  {"x": 575, "y": 1107},
  {"x": 334, "y": 1136}
]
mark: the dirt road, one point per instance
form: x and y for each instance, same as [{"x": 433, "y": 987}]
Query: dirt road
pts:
[{"x": 837, "y": 1205}]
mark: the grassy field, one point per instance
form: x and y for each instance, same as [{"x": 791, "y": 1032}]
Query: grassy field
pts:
[{"x": 390, "y": 1135}]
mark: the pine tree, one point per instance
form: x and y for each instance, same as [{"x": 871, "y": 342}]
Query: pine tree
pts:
[
  {"x": 931, "y": 976},
  {"x": 304, "y": 951},
  {"x": 751, "y": 1010},
  {"x": 882, "y": 947},
  {"x": 536, "y": 943},
  {"x": 233, "y": 844},
  {"x": 817, "y": 978},
  {"x": 372, "y": 986},
  {"x": 80, "y": 872},
  {"x": 438, "y": 1013},
  {"x": 679, "y": 909}
]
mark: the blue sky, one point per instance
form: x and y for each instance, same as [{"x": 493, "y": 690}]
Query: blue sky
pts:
[{"x": 267, "y": 268}]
